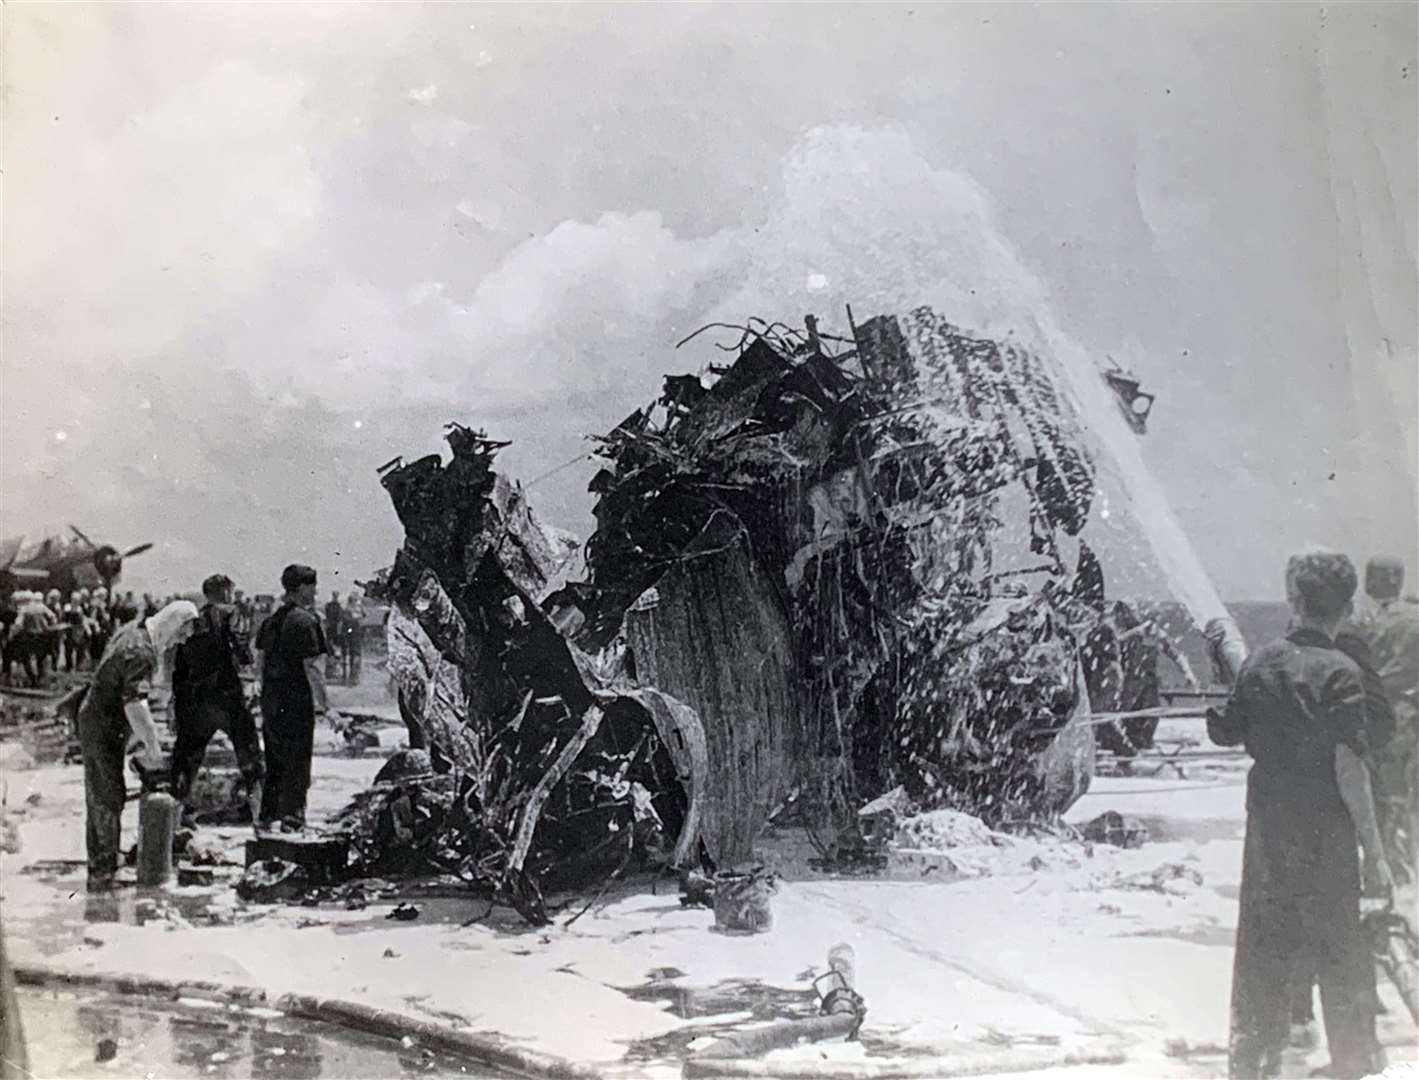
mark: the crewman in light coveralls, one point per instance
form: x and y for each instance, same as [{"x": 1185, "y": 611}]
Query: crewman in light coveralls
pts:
[
  {"x": 113, "y": 714},
  {"x": 1393, "y": 633}
]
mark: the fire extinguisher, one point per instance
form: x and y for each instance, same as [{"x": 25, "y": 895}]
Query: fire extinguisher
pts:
[{"x": 158, "y": 812}]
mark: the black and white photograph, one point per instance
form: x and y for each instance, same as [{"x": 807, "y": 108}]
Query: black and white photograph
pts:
[{"x": 709, "y": 540}]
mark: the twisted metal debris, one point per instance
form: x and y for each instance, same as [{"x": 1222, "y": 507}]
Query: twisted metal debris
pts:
[{"x": 805, "y": 582}]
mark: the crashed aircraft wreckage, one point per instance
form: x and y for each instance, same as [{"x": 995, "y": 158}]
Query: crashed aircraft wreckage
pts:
[{"x": 805, "y": 587}]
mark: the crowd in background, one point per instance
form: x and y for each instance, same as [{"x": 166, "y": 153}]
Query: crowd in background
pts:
[
  {"x": 344, "y": 627},
  {"x": 205, "y": 652},
  {"x": 43, "y": 633},
  {"x": 46, "y": 632}
]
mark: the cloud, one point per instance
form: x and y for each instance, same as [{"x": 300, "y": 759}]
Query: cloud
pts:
[
  {"x": 178, "y": 210},
  {"x": 424, "y": 95},
  {"x": 561, "y": 313},
  {"x": 591, "y": 308}
]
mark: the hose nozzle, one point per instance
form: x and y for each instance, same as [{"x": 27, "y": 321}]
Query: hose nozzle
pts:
[{"x": 1225, "y": 648}]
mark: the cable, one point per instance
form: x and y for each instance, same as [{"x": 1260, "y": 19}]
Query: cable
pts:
[
  {"x": 556, "y": 469},
  {"x": 1171, "y": 790}
]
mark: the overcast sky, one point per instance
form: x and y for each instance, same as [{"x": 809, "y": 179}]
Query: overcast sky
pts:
[{"x": 252, "y": 252}]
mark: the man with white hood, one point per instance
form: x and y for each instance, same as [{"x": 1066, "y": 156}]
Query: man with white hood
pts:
[{"x": 114, "y": 717}]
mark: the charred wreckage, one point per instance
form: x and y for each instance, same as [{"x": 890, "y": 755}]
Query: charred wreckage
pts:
[{"x": 831, "y": 569}]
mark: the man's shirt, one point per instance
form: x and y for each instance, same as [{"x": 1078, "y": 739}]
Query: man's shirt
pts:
[
  {"x": 1394, "y": 646},
  {"x": 1140, "y": 648},
  {"x": 1294, "y": 702},
  {"x": 123, "y": 675},
  {"x": 286, "y": 640},
  {"x": 1379, "y": 712},
  {"x": 213, "y": 657}
]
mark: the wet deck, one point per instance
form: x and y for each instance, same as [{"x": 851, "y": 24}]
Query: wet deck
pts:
[{"x": 108, "y": 1035}]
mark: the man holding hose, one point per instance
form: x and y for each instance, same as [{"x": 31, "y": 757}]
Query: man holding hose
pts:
[{"x": 1299, "y": 707}]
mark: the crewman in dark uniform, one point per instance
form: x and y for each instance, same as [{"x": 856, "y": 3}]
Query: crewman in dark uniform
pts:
[
  {"x": 124, "y": 608},
  {"x": 208, "y": 696},
  {"x": 1101, "y": 656},
  {"x": 1142, "y": 643},
  {"x": 1298, "y": 706},
  {"x": 334, "y": 621},
  {"x": 1379, "y": 729},
  {"x": 352, "y": 631},
  {"x": 292, "y": 645},
  {"x": 75, "y": 630}
]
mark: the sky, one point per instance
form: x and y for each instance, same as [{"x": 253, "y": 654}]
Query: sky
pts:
[{"x": 252, "y": 252}]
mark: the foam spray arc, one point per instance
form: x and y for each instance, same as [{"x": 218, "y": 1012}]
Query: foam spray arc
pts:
[{"x": 1189, "y": 581}]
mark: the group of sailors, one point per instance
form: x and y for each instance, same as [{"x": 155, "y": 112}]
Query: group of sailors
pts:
[
  {"x": 200, "y": 654},
  {"x": 1329, "y": 715},
  {"x": 344, "y": 634},
  {"x": 44, "y": 632}
]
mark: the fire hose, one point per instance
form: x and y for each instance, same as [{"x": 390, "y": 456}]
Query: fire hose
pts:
[
  {"x": 1396, "y": 949},
  {"x": 841, "y": 1011}
]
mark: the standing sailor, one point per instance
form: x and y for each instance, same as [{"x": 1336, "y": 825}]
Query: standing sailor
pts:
[
  {"x": 208, "y": 695},
  {"x": 1142, "y": 645},
  {"x": 352, "y": 631},
  {"x": 334, "y": 621},
  {"x": 1393, "y": 633},
  {"x": 292, "y": 646},
  {"x": 1298, "y": 706},
  {"x": 76, "y": 630}
]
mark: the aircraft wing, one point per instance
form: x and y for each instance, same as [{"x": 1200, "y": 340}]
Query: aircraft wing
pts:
[{"x": 9, "y": 549}]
